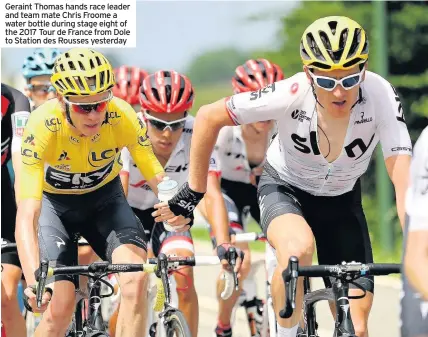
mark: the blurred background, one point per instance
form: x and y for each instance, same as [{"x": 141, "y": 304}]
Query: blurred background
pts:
[{"x": 207, "y": 40}]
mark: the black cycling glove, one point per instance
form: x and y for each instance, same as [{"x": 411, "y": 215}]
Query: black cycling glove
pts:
[
  {"x": 185, "y": 201},
  {"x": 223, "y": 251}
]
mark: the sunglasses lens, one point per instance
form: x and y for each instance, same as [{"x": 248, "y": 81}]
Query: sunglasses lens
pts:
[
  {"x": 326, "y": 83},
  {"x": 78, "y": 108},
  {"x": 101, "y": 106},
  {"x": 87, "y": 108},
  {"x": 177, "y": 126},
  {"x": 156, "y": 124},
  {"x": 351, "y": 81},
  {"x": 161, "y": 126}
]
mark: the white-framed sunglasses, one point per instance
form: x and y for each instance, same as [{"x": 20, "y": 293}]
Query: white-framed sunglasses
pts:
[
  {"x": 328, "y": 83},
  {"x": 85, "y": 108},
  {"x": 162, "y": 125}
]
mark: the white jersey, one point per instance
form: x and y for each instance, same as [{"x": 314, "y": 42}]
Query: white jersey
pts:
[
  {"x": 295, "y": 154},
  {"x": 417, "y": 192},
  {"x": 139, "y": 193},
  {"x": 232, "y": 154}
]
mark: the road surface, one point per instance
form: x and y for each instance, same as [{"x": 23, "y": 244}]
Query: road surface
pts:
[{"x": 384, "y": 318}]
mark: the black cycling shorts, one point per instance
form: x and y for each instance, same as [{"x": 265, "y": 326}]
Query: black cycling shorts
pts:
[
  {"x": 159, "y": 236},
  {"x": 414, "y": 310},
  {"x": 8, "y": 216},
  {"x": 338, "y": 223},
  {"x": 103, "y": 217}
]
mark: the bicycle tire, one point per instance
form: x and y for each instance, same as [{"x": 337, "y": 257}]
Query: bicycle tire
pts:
[{"x": 176, "y": 323}]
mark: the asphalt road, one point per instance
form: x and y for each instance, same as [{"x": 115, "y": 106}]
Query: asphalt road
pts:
[{"x": 384, "y": 317}]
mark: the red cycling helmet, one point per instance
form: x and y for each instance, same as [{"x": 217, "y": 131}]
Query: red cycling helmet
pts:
[
  {"x": 166, "y": 92},
  {"x": 256, "y": 74},
  {"x": 128, "y": 82}
]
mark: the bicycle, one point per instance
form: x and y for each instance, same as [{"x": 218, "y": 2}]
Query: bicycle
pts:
[
  {"x": 172, "y": 319},
  {"x": 344, "y": 275}
]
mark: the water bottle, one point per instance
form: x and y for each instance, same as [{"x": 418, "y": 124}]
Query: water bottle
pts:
[{"x": 166, "y": 190}]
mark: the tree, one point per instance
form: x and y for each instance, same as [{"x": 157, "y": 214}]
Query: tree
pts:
[{"x": 215, "y": 66}]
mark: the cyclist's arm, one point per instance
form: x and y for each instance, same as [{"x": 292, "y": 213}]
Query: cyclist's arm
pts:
[
  {"x": 214, "y": 206},
  {"x": 19, "y": 120},
  {"x": 416, "y": 254},
  {"x": 29, "y": 206},
  {"x": 141, "y": 150},
  {"x": 396, "y": 144},
  {"x": 124, "y": 173},
  {"x": 244, "y": 108}
]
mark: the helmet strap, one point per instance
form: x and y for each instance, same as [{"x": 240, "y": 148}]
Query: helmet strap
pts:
[{"x": 67, "y": 115}]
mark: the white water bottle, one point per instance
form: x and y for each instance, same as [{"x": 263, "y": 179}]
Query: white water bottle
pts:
[{"x": 166, "y": 190}]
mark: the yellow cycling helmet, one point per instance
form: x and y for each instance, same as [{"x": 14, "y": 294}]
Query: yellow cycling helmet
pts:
[
  {"x": 75, "y": 67},
  {"x": 334, "y": 42}
]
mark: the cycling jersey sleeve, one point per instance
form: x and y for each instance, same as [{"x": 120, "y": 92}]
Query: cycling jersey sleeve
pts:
[
  {"x": 126, "y": 160},
  {"x": 393, "y": 134},
  {"x": 138, "y": 144},
  {"x": 33, "y": 149},
  {"x": 417, "y": 193},
  {"x": 268, "y": 103},
  {"x": 19, "y": 117},
  {"x": 214, "y": 164}
]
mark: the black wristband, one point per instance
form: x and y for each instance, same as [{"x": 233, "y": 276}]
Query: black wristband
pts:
[{"x": 185, "y": 201}]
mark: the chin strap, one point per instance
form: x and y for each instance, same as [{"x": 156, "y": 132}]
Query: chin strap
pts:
[{"x": 67, "y": 115}]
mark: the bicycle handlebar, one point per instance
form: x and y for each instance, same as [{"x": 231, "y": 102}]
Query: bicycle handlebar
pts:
[
  {"x": 160, "y": 266},
  {"x": 347, "y": 272},
  {"x": 8, "y": 247}
]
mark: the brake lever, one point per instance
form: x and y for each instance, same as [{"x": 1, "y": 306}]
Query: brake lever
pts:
[
  {"x": 43, "y": 275},
  {"x": 232, "y": 261},
  {"x": 290, "y": 275}
]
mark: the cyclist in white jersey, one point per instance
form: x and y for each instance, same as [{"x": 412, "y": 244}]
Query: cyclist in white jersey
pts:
[
  {"x": 241, "y": 152},
  {"x": 330, "y": 118},
  {"x": 166, "y": 98},
  {"x": 414, "y": 303}
]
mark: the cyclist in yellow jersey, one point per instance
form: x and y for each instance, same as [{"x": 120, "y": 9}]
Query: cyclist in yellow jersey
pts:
[{"x": 70, "y": 187}]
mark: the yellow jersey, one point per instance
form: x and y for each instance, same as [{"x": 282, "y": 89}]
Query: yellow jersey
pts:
[{"x": 57, "y": 159}]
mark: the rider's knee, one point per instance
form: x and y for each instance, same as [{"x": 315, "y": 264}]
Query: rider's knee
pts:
[
  {"x": 133, "y": 286},
  {"x": 9, "y": 304},
  {"x": 360, "y": 327},
  {"x": 303, "y": 249},
  {"x": 287, "y": 244},
  {"x": 62, "y": 307}
]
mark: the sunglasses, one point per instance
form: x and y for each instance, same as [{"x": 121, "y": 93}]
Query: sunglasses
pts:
[
  {"x": 329, "y": 83},
  {"x": 41, "y": 88},
  {"x": 86, "y": 108},
  {"x": 162, "y": 125}
]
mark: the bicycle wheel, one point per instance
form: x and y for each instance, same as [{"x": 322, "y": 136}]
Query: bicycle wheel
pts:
[{"x": 176, "y": 325}]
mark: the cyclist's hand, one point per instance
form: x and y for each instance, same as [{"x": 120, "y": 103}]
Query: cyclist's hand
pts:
[
  {"x": 163, "y": 213},
  {"x": 30, "y": 299},
  {"x": 223, "y": 255}
]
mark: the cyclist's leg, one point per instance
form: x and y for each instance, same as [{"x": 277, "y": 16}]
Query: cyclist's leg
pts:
[
  {"x": 341, "y": 234},
  {"x": 11, "y": 274},
  {"x": 288, "y": 232},
  {"x": 117, "y": 234},
  {"x": 146, "y": 218},
  {"x": 10, "y": 313},
  {"x": 57, "y": 246},
  {"x": 180, "y": 244}
]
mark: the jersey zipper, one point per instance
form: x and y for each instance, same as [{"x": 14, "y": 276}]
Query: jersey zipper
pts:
[{"x": 326, "y": 176}]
